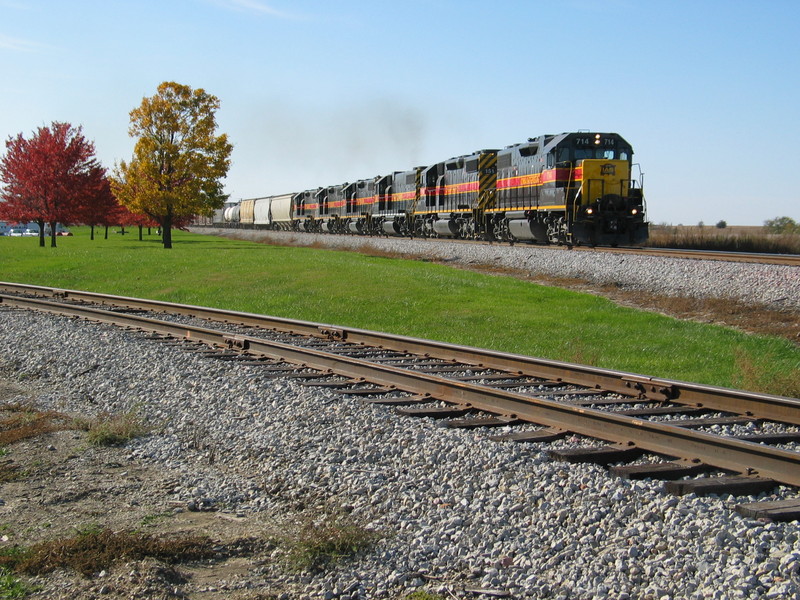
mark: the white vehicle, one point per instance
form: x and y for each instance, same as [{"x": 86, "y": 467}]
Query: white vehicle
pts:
[
  {"x": 16, "y": 232},
  {"x": 60, "y": 230}
]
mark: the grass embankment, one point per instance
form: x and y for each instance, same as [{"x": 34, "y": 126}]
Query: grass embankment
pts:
[{"x": 408, "y": 297}]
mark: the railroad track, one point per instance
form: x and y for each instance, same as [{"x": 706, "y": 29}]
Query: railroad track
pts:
[
  {"x": 748, "y": 441},
  {"x": 746, "y": 257}
]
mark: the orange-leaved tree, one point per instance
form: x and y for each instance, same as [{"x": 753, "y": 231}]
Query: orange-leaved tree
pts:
[{"x": 178, "y": 161}]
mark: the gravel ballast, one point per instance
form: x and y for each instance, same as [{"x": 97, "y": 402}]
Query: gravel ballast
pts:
[{"x": 455, "y": 511}]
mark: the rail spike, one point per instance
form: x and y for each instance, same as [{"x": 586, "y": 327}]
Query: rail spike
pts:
[
  {"x": 333, "y": 333},
  {"x": 648, "y": 388},
  {"x": 236, "y": 341}
]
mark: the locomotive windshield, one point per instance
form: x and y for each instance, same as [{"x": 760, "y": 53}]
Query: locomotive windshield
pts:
[
  {"x": 577, "y": 154},
  {"x": 605, "y": 153},
  {"x": 593, "y": 146}
]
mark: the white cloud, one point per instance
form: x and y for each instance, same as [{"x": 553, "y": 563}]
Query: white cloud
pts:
[
  {"x": 14, "y": 5},
  {"x": 255, "y": 6},
  {"x": 18, "y": 45}
]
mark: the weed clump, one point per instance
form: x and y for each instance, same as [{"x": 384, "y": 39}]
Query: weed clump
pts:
[
  {"x": 423, "y": 595},
  {"x": 11, "y": 587},
  {"x": 11, "y": 556},
  {"x": 9, "y": 472},
  {"x": 94, "y": 550},
  {"x": 111, "y": 430},
  {"x": 319, "y": 544},
  {"x": 20, "y": 422}
]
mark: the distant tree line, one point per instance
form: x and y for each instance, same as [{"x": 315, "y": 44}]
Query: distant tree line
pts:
[
  {"x": 776, "y": 225},
  {"x": 782, "y": 225}
]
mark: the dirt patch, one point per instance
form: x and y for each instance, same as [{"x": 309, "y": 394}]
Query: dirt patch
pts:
[{"x": 70, "y": 497}]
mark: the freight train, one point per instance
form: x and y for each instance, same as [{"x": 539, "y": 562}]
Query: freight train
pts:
[{"x": 567, "y": 189}]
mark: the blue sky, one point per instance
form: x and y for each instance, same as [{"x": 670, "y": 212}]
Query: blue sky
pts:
[{"x": 320, "y": 92}]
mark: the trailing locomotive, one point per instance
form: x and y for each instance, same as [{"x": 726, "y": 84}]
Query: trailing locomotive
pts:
[{"x": 569, "y": 189}]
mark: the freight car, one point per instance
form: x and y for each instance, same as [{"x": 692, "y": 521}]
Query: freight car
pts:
[{"x": 572, "y": 188}]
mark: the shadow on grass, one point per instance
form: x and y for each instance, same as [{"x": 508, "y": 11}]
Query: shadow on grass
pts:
[{"x": 178, "y": 244}]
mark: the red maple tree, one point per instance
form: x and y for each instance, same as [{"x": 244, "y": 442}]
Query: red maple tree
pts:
[
  {"x": 47, "y": 177},
  {"x": 125, "y": 218},
  {"x": 97, "y": 206}
]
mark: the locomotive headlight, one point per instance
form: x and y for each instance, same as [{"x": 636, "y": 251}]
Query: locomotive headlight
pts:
[
  {"x": 597, "y": 139},
  {"x": 635, "y": 211},
  {"x": 590, "y": 211}
]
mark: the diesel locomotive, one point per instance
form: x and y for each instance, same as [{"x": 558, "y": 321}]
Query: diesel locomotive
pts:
[{"x": 568, "y": 189}]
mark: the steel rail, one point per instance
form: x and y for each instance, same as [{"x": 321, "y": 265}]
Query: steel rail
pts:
[
  {"x": 723, "y": 453},
  {"x": 688, "y": 253},
  {"x": 719, "y": 255},
  {"x": 757, "y": 405}
]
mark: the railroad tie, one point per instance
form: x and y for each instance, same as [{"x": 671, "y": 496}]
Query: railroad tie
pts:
[
  {"x": 480, "y": 422},
  {"x": 598, "y": 455},
  {"x": 737, "y": 485},
  {"x": 537, "y": 436},
  {"x": 363, "y": 391},
  {"x": 398, "y": 400},
  {"x": 669, "y": 470},
  {"x": 445, "y": 412},
  {"x": 775, "y": 510}
]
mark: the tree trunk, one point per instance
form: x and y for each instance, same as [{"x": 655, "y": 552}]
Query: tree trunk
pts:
[
  {"x": 52, "y": 235},
  {"x": 106, "y": 232},
  {"x": 41, "y": 233},
  {"x": 91, "y": 235},
  {"x": 140, "y": 232},
  {"x": 166, "y": 231}
]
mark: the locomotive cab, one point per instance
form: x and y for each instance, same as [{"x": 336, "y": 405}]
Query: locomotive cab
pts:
[
  {"x": 359, "y": 199},
  {"x": 608, "y": 205},
  {"x": 572, "y": 188},
  {"x": 306, "y": 210}
]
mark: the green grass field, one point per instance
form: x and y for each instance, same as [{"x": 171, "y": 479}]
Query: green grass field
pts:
[{"x": 407, "y": 297}]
